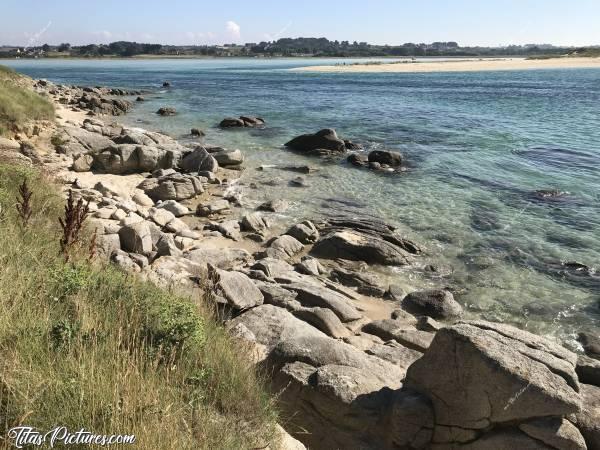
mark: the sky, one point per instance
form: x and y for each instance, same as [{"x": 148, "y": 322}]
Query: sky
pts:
[{"x": 179, "y": 22}]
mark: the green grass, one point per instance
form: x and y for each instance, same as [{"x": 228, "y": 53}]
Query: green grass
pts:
[
  {"x": 18, "y": 104},
  {"x": 86, "y": 345}
]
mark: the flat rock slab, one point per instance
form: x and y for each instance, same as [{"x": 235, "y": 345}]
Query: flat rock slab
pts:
[
  {"x": 271, "y": 325},
  {"x": 236, "y": 288},
  {"x": 357, "y": 246},
  {"x": 313, "y": 295}
]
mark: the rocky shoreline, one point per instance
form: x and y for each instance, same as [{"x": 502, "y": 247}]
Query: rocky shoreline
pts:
[{"x": 355, "y": 362}]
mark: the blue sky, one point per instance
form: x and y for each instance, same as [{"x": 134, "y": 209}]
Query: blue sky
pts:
[{"x": 470, "y": 22}]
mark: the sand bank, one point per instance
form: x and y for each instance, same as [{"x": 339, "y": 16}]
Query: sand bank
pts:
[{"x": 460, "y": 65}]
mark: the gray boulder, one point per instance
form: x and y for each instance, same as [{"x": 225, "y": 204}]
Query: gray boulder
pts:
[
  {"x": 82, "y": 163},
  {"x": 591, "y": 343},
  {"x": 211, "y": 209},
  {"x": 531, "y": 376},
  {"x": 326, "y": 139},
  {"x": 227, "y": 158},
  {"x": 199, "y": 160},
  {"x": 235, "y": 288},
  {"x": 358, "y": 160},
  {"x": 175, "y": 208},
  {"x": 255, "y": 223},
  {"x": 160, "y": 216},
  {"x": 271, "y": 325},
  {"x": 273, "y": 267},
  {"x": 131, "y": 158},
  {"x": 588, "y": 370},
  {"x": 395, "y": 353},
  {"x": 389, "y": 158},
  {"x": 166, "y": 246},
  {"x": 364, "y": 282},
  {"x": 305, "y": 232},
  {"x": 136, "y": 238},
  {"x": 243, "y": 121},
  {"x": 277, "y": 296},
  {"x": 284, "y": 247},
  {"x": 404, "y": 333},
  {"x": 438, "y": 304},
  {"x": 172, "y": 187},
  {"x": 231, "y": 122},
  {"x": 75, "y": 138},
  {"x": 223, "y": 258}
]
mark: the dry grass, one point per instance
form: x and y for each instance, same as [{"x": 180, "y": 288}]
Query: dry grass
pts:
[
  {"x": 88, "y": 346},
  {"x": 19, "y": 104}
]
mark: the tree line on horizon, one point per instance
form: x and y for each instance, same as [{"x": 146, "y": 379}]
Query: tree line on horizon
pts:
[{"x": 286, "y": 47}]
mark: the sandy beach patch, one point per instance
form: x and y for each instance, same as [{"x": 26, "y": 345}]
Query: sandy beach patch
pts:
[{"x": 458, "y": 65}]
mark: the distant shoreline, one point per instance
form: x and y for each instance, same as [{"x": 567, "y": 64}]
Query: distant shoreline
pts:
[
  {"x": 392, "y": 59},
  {"x": 462, "y": 65}
]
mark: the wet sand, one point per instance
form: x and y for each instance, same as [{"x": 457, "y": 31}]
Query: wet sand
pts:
[{"x": 459, "y": 65}]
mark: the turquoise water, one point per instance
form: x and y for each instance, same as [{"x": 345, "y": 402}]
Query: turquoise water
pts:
[{"x": 477, "y": 146}]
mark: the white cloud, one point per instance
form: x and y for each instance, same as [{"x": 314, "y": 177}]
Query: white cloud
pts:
[{"x": 234, "y": 30}]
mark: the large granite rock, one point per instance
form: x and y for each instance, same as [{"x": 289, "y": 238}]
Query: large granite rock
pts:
[
  {"x": 132, "y": 158},
  {"x": 172, "y": 187},
  {"x": 228, "y": 158},
  {"x": 199, "y": 160},
  {"x": 479, "y": 374},
  {"x": 79, "y": 140},
  {"x": 344, "y": 398},
  {"x": 271, "y": 325}
]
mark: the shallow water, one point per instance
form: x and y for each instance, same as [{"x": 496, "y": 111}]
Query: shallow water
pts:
[{"x": 478, "y": 145}]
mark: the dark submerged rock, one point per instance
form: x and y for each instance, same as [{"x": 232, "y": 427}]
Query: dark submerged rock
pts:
[
  {"x": 166, "y": 111},
  {"x": 326, "y": 139},
  {"x": 389, "y": 158}
]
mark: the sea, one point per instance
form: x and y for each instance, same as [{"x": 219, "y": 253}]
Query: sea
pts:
[{"x": 478, "y": 147}]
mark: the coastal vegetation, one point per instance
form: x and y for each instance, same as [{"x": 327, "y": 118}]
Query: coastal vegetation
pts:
[
  {"x": 287, "y": 47},
  {"x": 83, "y": 343},
  {"x": 19, "y": 104}
]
